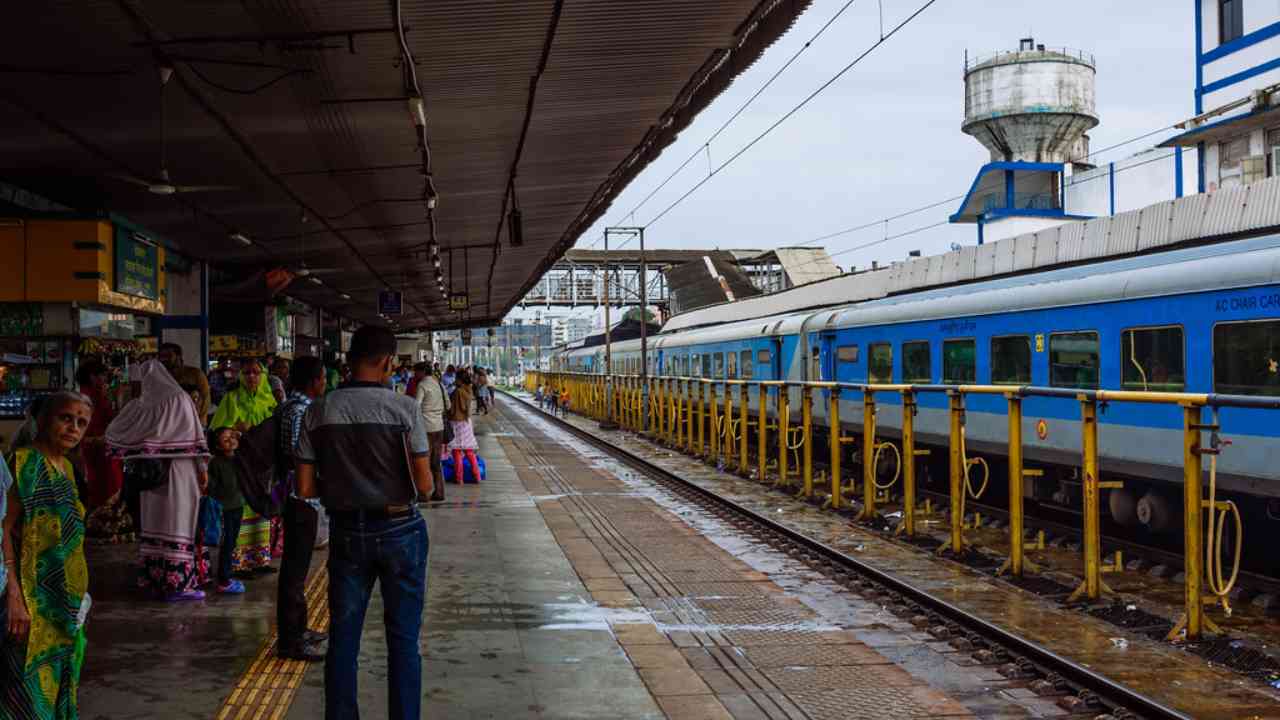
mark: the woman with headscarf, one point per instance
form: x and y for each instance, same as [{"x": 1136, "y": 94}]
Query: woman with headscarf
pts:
[
  {"x": 250, "y": 404},
  {"x": 46, "y": 598},
  {"x": 163, "y": 425}
]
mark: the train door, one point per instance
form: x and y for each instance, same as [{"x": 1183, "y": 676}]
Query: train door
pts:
[
  {"x": 827, "y": 359},
  {"x": 775, "y": 359}
]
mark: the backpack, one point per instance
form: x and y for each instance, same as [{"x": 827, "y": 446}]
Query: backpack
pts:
[{"x": 259, "y": 471}]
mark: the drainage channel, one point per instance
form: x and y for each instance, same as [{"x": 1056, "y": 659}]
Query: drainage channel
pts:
[{"x": 1019, "y": 658}]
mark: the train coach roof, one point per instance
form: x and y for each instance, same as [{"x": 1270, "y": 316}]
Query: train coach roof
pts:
[{"x": 1241, "y": 263}]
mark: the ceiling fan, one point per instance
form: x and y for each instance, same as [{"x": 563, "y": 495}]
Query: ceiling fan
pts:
[{"x": 161, "y": 184}]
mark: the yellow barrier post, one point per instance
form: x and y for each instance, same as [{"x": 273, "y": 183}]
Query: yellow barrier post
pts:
[
  {"x": 806, "y": 414},
  {"x": 762, "y": 432},
  {"x": 784, "y": 433},
  {"x": 714, "y": 429},
  {"x": 836, "y": 502},
  {"x": 1092, "y": 586},
  {"x": 701, "y": 417},
  {"x": 868, "y": 455},
  {"x": 1193, "y": 620},
  {"x": 1013, "y": 564},
  {"x": 908, "y": 526},
  {"x": 957, "y": 467},
  {"x": 744, "y": 415},
  {"x": 726, "y": 455}
]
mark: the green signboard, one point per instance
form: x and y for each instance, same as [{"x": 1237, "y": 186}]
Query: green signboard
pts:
[{"x": 137, "y": 265}]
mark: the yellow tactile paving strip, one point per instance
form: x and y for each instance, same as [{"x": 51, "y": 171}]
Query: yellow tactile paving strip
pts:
[
  {"x": 698, "y": 655},
  {"x": 267, "y": 687}
]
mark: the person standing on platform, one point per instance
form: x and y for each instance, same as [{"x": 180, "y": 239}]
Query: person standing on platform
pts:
[
  {"x": 161, "y": 426},
  {"x": 420, "y": 371},
  {"x": 47, "y": 585},
  {"x": 224, "y": 486},
  {"x": 450, "y": 378},
  {"x": 244, "y": 408},
  {"x": 464, "y": 434},
  {"x": 363, "y": 450},
  {"x": 480, "y": 385},
  {"x": 189, "y": 378},
  {"x": 434, "y": 403},
  {"x": 301, "y": 519},
  {"x": 103, "y": 475}
]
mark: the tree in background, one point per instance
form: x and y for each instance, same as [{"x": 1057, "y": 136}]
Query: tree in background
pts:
[{"x": 634, "y": 315}]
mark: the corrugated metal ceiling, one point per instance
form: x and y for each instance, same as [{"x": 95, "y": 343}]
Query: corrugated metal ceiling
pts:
[{"x": 316, "y": 126}]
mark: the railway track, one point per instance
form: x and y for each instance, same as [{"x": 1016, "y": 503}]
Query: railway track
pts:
[{"x": 1088, "y": 693}]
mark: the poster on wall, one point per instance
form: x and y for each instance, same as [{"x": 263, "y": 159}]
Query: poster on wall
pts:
[
  {"x": 278, "y": 324},
  {"x": 137, "y": 265}
]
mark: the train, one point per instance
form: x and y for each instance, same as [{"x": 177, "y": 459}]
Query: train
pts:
[{"x": 1202, "y": 319}]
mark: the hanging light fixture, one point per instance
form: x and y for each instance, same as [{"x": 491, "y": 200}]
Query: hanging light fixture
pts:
[{"x": 241, "y": 238}]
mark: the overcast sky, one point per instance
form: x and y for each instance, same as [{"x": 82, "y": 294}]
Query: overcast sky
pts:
[{"x": 885, "y": 138}]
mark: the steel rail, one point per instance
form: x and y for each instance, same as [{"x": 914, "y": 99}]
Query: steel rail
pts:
[{"x": 1045, "y": 660}]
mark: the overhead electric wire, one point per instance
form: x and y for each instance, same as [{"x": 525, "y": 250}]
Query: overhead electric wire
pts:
[
  {"x": 741, "y": 108},
  {"x": 786, "y": 116}
]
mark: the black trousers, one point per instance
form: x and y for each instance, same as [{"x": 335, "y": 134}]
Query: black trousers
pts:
[
  {"x": 230, "y": 533},
  {"x": 300, "y": 522}
]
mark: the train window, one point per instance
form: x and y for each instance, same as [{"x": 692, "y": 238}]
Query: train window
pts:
[
  {"x": 847, "y": 354},
  {"x": 732, "y": 365},
  {"x": 745, "y": 362},
  {"x": 916, "y": 365},
  {"x": 1246, "y": 358},
  {"x": 816, "y": 372},
  {"x": 1152, "y": 359},
  {"x": 706, "y": 365},
  {"x": 880, "y": 363},
  {"x": 1073, "y": 360},
  {"x": 1011, "y": 360},
  {"x": 959, "y": 362},
  {"x": 719, "y": 361},
  {"x": 764, "y": 357}
]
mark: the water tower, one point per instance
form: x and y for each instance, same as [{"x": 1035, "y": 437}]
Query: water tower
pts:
[{"x": 1031, "y": 105}]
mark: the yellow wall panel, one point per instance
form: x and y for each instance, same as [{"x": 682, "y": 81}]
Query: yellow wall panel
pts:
[{"x": 67, "y": 259}]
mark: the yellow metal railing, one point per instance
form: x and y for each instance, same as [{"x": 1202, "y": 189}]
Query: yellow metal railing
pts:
[{"x": 689, "y": 416}]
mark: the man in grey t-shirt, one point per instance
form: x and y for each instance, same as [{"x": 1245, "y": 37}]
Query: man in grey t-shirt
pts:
[{"x": 363, "y": 451}]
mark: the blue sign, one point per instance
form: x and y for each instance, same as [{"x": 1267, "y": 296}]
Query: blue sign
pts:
[{"x": 390, "y": 302}]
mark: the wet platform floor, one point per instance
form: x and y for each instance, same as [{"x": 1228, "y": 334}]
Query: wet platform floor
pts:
[{"x": 562, "y": 587}]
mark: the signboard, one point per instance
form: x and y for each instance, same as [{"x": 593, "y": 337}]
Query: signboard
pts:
[
  {"x": 466, "y": 336},
  {"x": 223, "y": 343},
  {"x": 459, "y": 301},
  {"x": 390, "y": 303},
  {"x": 137, "y": 265}
]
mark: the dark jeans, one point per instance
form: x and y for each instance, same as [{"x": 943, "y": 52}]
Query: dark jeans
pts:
[
  {"x": 300, "y": 524},
  {"x": 436, "y": 439},
  {"x": 393, "y": 553},
  {"x": 230, "y": 533}
]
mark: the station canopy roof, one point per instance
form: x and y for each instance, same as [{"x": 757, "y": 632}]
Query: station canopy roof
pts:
[{"x": 302, "y": 114}]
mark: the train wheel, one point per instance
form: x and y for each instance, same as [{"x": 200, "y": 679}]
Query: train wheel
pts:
[
  {"x": 1155, "y": 511},
  {"x": 1123, "y": 506}
]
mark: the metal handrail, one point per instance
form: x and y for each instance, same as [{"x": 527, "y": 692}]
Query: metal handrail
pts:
[{"x": 1073, "y": 53}]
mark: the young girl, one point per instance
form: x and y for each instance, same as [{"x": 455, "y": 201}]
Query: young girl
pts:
[
  {"x": 464, "y": 436},
  {"x": 224, "y": 486}
]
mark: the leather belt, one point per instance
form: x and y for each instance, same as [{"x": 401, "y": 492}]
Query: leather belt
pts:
[{"x": 390, "y": 512}]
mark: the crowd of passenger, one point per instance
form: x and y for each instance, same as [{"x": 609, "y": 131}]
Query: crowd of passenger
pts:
[{"x": 188, "y": 467}]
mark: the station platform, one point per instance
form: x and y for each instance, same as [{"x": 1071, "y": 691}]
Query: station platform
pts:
[{"x": 562, "y": 587}]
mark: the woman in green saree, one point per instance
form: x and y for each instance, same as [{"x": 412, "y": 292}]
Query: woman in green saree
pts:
[{"x": 47, "y": 597}]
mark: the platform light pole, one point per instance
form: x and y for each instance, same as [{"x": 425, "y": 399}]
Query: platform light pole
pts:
[{"x": 630, "y": 233}]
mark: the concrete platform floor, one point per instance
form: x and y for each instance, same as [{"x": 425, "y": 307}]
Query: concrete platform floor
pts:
[{"x": 562, "y": 587}]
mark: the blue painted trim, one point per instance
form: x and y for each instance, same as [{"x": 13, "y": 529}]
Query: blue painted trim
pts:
[
  {"x": 1241, "y": 76},
  {"x": 1190, "y": 134},
  {"x": 981, "y": 224},
  {"x": 1199, "y": 59},
  {"x": 1240, "y": 43},
  {"x": 1008, "y": 189},
  {"x": 997, "y": 213},
  {"x": 958, "y": 216},
  {"x": 1200, "y": 168},
  {"x": 1177, "y": 172},
  {"x": 1111, "y": 181}
]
